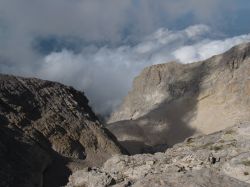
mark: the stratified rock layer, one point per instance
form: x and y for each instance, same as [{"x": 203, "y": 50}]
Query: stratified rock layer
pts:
[
  {"x": 170, "y": 102},
  {"x": 46, "y": 129},
  {"x": 221, "y": 159}
]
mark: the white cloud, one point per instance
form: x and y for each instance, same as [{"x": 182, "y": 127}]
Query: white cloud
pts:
[
  {"x": 106, "y": 74},
  {"x": 207, "y": 48}
]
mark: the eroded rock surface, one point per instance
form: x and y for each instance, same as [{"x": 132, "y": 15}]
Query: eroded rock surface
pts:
[
  {"x": 170, "y": 102},
  {"x": 46, "y": 130},
  {"x": 221, "y": 159}
]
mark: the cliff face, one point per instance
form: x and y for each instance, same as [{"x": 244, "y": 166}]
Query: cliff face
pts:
[
  {"x": 46, "y": 130},
  {"x": 170, "y": 102}
]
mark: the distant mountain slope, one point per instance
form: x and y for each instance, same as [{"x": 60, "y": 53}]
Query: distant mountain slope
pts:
[
  {"x": 46, "y": 129},
  {"x": 170, "y": 102}
]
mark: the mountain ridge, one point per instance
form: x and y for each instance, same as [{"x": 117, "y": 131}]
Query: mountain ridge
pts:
[{"x": 192, "y": 98}]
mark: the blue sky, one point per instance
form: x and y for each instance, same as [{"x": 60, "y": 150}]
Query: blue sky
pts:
[{"x": 99, "y": 46}]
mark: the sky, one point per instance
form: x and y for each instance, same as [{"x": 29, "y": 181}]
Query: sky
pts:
[{"x": 99, "y": 46}]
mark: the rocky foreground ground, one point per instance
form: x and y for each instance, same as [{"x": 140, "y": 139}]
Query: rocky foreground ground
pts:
[{"x": 221, "y": 159}]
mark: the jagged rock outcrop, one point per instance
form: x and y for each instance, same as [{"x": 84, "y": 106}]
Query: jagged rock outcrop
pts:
[
  {"x": 170, "y": 102},
  {"x": 46, "y": 131},
  {"x": 221, "y": 159}
]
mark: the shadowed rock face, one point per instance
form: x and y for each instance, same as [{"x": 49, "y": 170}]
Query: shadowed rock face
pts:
[
  {"x": 46, "y": 130},
  {"x": 170, "y": 102}
]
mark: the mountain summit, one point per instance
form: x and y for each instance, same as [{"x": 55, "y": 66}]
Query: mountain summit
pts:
[{"x": 170, "y": 102}]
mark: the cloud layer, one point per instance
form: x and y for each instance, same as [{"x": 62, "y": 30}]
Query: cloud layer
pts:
[
  {"x": 106, "y": 74},
  {"x": 101, "y": 45}
]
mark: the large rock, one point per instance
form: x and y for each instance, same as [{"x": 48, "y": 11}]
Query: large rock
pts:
[
  {"x": 46, "y": 131},
  {"x": 170, "y": 102},
  {"x": 221, "y": 159}
]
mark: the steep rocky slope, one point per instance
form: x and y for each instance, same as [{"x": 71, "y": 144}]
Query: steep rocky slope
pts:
[
  {"x": 170, "y": 102},
  {"x": 221, "y": 159},
  {"x": 46, "y": 131}
]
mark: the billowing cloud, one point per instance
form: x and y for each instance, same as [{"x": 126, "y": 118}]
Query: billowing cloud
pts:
[
  {"x": 207, "y": 48},
  {"x": 106, "y": 74},
  {"x": 101, "y": 45}
]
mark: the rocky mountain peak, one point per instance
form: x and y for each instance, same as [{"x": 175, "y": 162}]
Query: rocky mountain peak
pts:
[
  {"x": 46, "y": 127},
  {"x": 174, "y": 101}
]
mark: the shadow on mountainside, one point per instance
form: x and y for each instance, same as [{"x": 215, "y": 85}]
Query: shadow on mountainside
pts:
[
  {"x": 26, "y": 162},
  {"x": 167, "y": 124}
]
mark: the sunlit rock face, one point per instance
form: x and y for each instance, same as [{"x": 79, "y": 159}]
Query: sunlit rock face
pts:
[
  {"x": 46, "y": 131},
  {"x": 170, "y": 102}
]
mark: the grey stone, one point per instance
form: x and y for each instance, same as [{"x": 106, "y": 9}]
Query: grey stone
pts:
[{"x": 186, "y": 164}]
